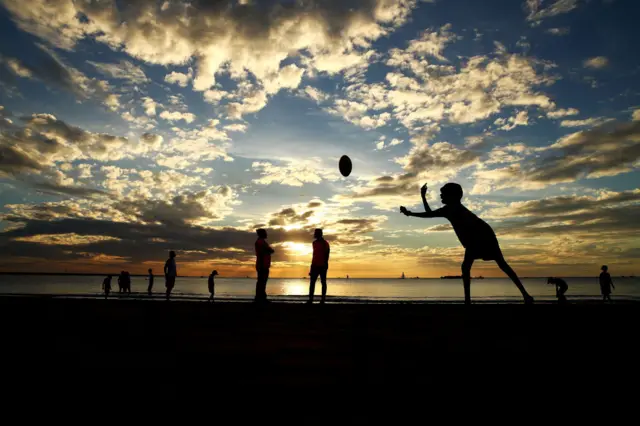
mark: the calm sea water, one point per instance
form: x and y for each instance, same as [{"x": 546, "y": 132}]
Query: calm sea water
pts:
[{"x": 340, "y": 290}]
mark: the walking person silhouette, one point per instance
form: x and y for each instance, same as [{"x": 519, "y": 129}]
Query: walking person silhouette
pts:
[
  {"x": 106, "y": 286},
  {"x": 212, "y": 285},
  {"x": 319, "y": 265},
  {"x": 606, "y": 283},
  {"x": 170, "y": 273},
  {"x": 475, "y": 235},
  {"x": 150, "y": 286},
  {"x": 263, "y": 264}
]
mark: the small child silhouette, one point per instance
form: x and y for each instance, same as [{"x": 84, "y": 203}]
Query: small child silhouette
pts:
[{"x": 475, "y": 234}]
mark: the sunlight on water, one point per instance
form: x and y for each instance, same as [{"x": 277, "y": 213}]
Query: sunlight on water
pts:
[{"x": 338, "y": 289}]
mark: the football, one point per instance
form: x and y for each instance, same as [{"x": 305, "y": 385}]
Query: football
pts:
[{"x": 345, "y": 165}]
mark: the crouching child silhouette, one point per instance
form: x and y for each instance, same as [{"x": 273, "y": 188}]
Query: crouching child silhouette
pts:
[{"x": 475, "y": 234}]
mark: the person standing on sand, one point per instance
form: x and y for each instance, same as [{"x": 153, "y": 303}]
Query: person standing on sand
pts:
[
  {"x": 606, "y": 283},
  {"x": 121, "y": 282},
  {"x": 150, "y": 286},
  {"x": 212, "y": 285},
  {"x": 106, "y": 286},
  {"x": 170, "y": 273},
  {"x": 475, "y": 234},
  {"x": 127, "y": 282},
  {"x": 263, "y": 264},
  {"x": 561, "y": 288},
  {"x": 319, "y": 265}
]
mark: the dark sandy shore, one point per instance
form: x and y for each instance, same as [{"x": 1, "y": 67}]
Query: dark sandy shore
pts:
[{"x": 294, "y": 343}]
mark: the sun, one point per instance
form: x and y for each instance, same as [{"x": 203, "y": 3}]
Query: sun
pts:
[{"x": 298, "y": 249}]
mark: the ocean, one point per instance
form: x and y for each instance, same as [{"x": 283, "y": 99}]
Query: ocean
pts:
[{"x": 339, "y": 290}]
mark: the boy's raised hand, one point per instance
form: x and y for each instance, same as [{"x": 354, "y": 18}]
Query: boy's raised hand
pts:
[{"x": 423, "y": 190}]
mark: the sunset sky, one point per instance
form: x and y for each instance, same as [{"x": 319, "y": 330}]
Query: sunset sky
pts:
[{"x": 131, "y": 128}]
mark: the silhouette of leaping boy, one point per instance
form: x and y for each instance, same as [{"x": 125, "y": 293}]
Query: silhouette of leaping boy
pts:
[{"x": 475, "y": 234}]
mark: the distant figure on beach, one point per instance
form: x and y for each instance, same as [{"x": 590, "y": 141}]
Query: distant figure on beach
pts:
[
  {"x": 106, "y": 286},
  {"x": 606, "y": 283},
  {"x": 127, "y": 282},
  {"x": 561, "y": 288},
  {"x": 170, "y": 273},
  {"x": 263, "y": 263},
  {"x": 476, "y": 235},
  {"x": 150, "y": 286},
  {"x": 121, "y": 282},
  {"x": 212, "y": 285},
  {"x": 319, "y": 265}
]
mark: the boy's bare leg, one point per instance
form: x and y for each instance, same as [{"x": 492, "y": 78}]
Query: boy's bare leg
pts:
[
  {"x": 467, "y": 263},
  {"x": 514, "y": 277}
]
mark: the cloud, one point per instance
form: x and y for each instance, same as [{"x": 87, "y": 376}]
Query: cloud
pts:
[
  {"x": 124, "y": 70},
  {"x": 597, "y": 62},
  {"x": 609, "y": 149},
  {"x": 636, "y": 115},
  {"x": 538, "y": 13},
  {"x": 293, "y": 173},
  {"x": 238, "y": 37},
  {"x": 558, "y": 31},
  {"x": 70, "y": 239},
  {"x": 237, "y": 127},
  {"x": 49, "y": 68},
  {"x": 150, "y": 106},
  {"x": 608, "y": 214},
  {"x": 581, "y": 123},
  {"x": 520, "y": 119},
  {"x": 434, "y": 163},
  {"x": 177, "y": 115},
  {"x": 559, "y": 113},
  {"x": 380, "y": 145},
  {"x": 179, "y": 78},
  {"x": 315, "y": 94}
]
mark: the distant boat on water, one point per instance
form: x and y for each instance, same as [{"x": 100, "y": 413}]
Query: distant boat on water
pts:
[{"x": 402, "y": 277}]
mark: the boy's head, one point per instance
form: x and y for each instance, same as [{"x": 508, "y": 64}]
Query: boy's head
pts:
[
  {"x": 214, "y": 273},
  {"x": 150, "y": 271},
  {"x": 262, "y": 233},
  {"x": 317, "y": 233},
  {"x": 604, "y": 268},
  {"x": 550, "y": 280},
  {"x": 451, "y": 193},
  {"x": 172, "y": 253}
]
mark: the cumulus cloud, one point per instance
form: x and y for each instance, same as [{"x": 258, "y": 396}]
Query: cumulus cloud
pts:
[
  {"x": 520, "y": 119},
  {"x": 434, "y": 163},
  {"x": 597, "y": 62},
  {"x": 179, "y": 78},
  {"x": 177, "y": 115},
  {"x": 225, "y": 36},
  {"x": 292, "y": 173}
]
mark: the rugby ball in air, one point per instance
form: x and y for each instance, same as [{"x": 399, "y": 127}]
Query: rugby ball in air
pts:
[{"x": 345, "y": 165}]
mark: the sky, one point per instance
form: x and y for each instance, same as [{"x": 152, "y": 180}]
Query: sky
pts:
[{"x": 129, "y": 129}]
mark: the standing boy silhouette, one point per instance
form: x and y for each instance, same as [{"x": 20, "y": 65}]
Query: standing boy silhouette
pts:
[{"x": 475, "y": 234}]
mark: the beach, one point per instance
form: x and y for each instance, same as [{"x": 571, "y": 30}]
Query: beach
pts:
[{"x": 295, "y": 343}]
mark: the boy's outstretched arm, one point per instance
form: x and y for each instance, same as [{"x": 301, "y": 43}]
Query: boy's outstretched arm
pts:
[{"x": 427, "y": 210}]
